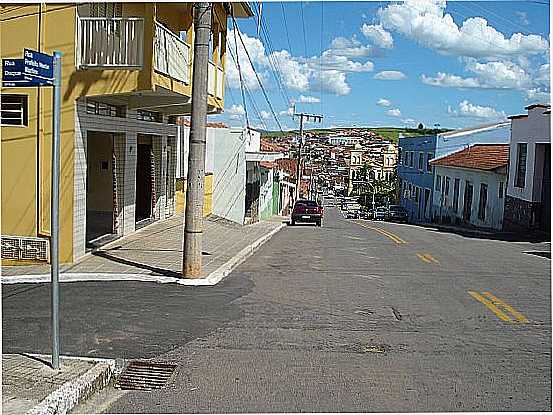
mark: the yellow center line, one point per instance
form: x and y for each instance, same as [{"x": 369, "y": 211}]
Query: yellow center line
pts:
[
  {"x": 388, "y": 234},
  {"x": 431, "y": 258},
  {"x": 497, "y": 301},
  {"x": 423, "y": 258},
  {"x": 490, "y": 306}
]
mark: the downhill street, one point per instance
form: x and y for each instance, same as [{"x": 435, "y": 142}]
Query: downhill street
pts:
[{"x": 360, "y": 317}]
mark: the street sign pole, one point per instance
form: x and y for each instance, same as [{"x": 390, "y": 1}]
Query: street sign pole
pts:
[{"x": 54, "y": 212}]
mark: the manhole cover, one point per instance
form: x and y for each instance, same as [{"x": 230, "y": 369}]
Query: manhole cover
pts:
[{"x": 142, "y": 375}]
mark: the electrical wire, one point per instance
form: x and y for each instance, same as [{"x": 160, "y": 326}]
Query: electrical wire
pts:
[
  {"x": 303, "y": 27},
  {"x": 286, "y": 28}
]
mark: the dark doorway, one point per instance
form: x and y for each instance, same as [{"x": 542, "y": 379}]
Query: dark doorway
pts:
[
  {"x": 143, "y": 182},
  {"x": 100, "y": 192},
  {"x": 467, "y": 206},
  {"x": 545, "y": 220}
]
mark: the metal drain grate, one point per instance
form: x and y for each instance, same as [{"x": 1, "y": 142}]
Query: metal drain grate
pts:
[{"x": 145, "y": 376}]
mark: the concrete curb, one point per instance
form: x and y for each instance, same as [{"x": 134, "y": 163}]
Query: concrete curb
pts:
[
  {"x": 212, "y": 279},
  {"x": 71, "y": 393}
]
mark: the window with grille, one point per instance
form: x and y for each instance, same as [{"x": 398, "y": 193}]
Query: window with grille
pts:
[
  {"x": 438, "y": 181},
  {"x": 501, "y": 190},
  {"x": 520, "y": 176},
  {"x": 429, "y": 156},
  {"x": 106, "y": 110},
  {"x": 421, "y": 160},
  {"x": 150, "y": 116},
  {"x": 14, "y": 110},
  {"x": 483, "y": 201},
  {"x": 108, "y": 10}
]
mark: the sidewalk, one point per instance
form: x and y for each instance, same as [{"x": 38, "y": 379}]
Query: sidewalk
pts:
[
  {"x": 31, "y": 386},
  {"x": 155, "y": 253}
]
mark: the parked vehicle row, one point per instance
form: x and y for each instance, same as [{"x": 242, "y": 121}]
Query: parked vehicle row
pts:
[{"x": 393, "y": 213}]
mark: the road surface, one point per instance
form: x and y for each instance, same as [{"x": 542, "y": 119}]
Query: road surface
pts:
[{"x": 356, "y": 316}]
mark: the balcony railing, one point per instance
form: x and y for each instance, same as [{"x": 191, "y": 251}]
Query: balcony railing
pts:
[
  {"x": 215, "y": 80},
  {"x": 172, "y": 55},
  {"x": 110, "y": 42}
]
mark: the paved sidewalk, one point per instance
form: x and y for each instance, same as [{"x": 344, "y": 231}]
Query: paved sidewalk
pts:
[
  {"x": 31, "y": 386},
  {"x": 157, "y": 250}
]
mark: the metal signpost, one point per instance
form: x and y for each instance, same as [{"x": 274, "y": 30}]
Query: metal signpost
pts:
[{"x": 40, "y": 69}]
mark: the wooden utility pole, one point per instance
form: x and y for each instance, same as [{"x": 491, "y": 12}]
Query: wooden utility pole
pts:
[
  {"x": 303, "y": 115},
  {"x": 193, "y": 217}
]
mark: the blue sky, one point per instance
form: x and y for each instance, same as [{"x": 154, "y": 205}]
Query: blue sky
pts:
[{"x": 381, "y": 63}]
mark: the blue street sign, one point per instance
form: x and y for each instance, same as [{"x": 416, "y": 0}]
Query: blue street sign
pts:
[
  {"x": 12, "y": 72},
  {"x": 38, "y": 67}
]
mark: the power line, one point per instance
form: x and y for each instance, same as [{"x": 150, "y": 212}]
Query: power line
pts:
[
  {"x": 303, "y": 26},
  {"x": 257, "y": 75},
  {"x": 240, "y": 72},
  {"x": 286, "y": 27}
]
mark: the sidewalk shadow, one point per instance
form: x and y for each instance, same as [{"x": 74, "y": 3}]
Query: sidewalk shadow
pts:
[
  {"x": 496, "y": 236},
  {"x": 157, "y": 270}
]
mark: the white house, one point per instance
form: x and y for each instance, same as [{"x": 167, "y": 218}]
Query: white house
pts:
[
  {"x": 469, "y": 186},
  {"x": 528, "y": 200}
]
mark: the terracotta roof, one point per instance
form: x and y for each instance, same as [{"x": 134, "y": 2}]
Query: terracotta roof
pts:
[
  {"x": 267, "y": 164},
  {"x": 478, "y": 156},
  {"x": 186, "y": 123},
  {"x": 267, "y": 145}
]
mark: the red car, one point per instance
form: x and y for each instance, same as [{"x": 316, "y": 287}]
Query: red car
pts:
[{"x": 307, "y": 211}]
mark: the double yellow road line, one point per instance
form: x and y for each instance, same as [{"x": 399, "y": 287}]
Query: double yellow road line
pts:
[
  {"x": 429, "y": 259},
  {"x": 384, "y": 232},
  {"x": 499, "y": 307}
]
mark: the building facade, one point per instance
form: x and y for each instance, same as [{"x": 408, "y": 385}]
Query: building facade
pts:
[
  {"x": 469, "y": 186},
  {"x": 126, "y": 75},
  {"x": 528, "y": 199}
]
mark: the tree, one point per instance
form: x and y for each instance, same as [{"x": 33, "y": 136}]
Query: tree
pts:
[{"x": 421, "y": 126}]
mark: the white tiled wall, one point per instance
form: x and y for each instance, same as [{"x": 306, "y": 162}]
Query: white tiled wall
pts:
[{"x": 125, "y": 131}]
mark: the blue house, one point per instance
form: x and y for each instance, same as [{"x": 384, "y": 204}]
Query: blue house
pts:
[{"x": 416, "y": 175}]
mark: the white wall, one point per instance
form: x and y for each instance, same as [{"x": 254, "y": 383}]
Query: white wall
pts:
[
  {"x": 183, "y": 135},
  {"x": 532, "y": 130},
  {"x": 253, "y": 141},
  {"x": 494, "y": 206},
  {"x": 229, "y": 175}
]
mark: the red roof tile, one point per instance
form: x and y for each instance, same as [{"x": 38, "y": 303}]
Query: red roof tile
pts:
[{"x": 478, "y": 156}]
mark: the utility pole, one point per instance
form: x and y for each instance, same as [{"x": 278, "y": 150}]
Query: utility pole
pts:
[
  {"x": 193, "y": 217},
  {"x": 303, "y": 115}
]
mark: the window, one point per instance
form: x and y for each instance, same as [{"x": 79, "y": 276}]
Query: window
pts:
[
  {"x": 520, "y": 176},
  {"x": 483, "y": 201},
  {"x": 150, "y": 116},
  {"x": 500, "y": 190},
  {"x": 399, "y": 155},
  {"x": 421, "y": 160},
  {"x": 446, "y": 190},
  {"x": 107, "y": 110},
  {"x": 14, "y": 110},
  {"x": 456, "y": 184},
  {"x": 410, "y": 191},
  {"x": 412, "y": 162},
  {"x": 109, "y": 10},
  {"x": 429, "y": 156},
  {"x": 438, "y": 181}
]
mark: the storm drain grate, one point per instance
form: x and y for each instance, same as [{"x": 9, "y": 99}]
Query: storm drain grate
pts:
[{"x": 146, "y": 376}]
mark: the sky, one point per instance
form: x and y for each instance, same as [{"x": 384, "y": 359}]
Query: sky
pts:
[{"x": 455, "y": 63}]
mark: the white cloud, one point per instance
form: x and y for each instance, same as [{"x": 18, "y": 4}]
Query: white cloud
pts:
[
  {"x": 303, "y": 99},
  {"x": 409, "y": 122},
  {"x": 450, "y": 81},
  {"x": 264, "y": 115},
  {"x": 469, "y": 110},
  {"x": 331, "y": 81},
  {"x": 294, "y": 75},
  {"x": 289, "y": 112},
  {"x": 499, "y": 74},
  {"x": 350, "y": 48},
  {"x": 426, "y": 22},
  {"x": 523, "y": 18},
  {"x": 538, "y": 95},
  {"x": 383, "y": 102},
  {"x": 257, "y": 54},
  {"x": 395, "y": 112},
  {"x": 236, "y": 112},
  {"x": 390, "y": 76},
  {"x": 378, "y": 36}
]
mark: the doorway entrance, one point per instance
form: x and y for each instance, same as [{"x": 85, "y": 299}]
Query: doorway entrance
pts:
[
  {"x": 144, "y": 180},
  {"x": 100, "y": 189},
  {"x": 545, "y": 220},
  {"x": 467, "y": 206}
]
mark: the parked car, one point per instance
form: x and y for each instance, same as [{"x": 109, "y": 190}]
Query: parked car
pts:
[
  {"x": 308, "y": 211},
  {"x": 397, "y": 213},
  {"x": 352, "y": 214},
  {"x": 381, "y": 213}
]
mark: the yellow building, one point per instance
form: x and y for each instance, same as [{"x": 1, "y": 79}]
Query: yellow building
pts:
[{"x": 126, "y": 75}]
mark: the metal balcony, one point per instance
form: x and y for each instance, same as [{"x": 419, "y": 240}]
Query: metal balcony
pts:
[{"x": 110, "y": 43}]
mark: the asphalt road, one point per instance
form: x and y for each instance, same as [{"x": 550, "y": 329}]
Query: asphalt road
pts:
[{"x": 350, "y": 317}]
